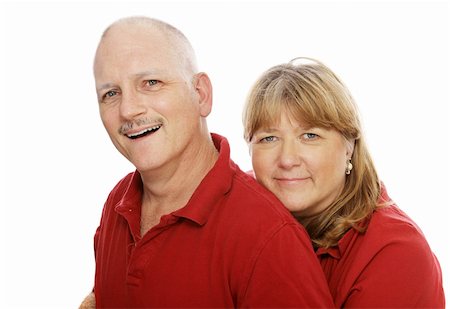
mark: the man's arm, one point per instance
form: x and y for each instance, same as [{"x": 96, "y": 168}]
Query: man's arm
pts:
[
  {"x": 287, "y": 274},
  {"x": 88, "y": 302}
]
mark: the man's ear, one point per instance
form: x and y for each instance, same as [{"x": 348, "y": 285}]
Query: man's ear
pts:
[{"x": 203, "y": 87}]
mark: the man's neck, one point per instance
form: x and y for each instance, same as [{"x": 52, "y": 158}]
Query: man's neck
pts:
[{"x": 171, "y": 188}]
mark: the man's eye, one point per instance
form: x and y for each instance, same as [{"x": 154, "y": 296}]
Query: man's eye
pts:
[
  {"x": 151, "y": 85},
  {"x": 110, "y": 94},
  {"x": 152, "y": 82}
]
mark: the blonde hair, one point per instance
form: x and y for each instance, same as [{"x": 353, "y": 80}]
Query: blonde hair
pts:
[{"x": 312, "y": 93}]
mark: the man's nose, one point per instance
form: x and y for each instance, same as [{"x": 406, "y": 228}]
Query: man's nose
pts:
[{"x": 132, "y": 105}]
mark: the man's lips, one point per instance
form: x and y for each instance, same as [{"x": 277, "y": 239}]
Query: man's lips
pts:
[{"x": 143, "y": 132}]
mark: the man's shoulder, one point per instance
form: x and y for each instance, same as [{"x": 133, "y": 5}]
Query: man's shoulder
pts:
[
  {"x": 252, "y": 197},
  {"x": 245, "y": 182},
  {"x": 254, "y": 215}
]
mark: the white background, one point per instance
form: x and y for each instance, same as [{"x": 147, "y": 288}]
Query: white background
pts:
[{"x": 58, "y": 164}]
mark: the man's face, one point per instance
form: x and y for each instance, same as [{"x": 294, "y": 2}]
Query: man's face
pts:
[{"x": 147, "y": 102}]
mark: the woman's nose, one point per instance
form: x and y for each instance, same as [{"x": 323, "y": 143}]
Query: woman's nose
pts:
[{"x": 289, "y": 155}]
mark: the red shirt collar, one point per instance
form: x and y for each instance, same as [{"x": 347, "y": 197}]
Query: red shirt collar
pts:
[
  {"x": 215, "y": 185},
  {"x": 337, "y": 251}
]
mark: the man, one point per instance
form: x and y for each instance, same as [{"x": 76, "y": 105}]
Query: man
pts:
[{"x": 188, "y": 228}]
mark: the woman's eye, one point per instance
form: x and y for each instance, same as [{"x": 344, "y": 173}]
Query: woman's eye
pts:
[
  {"x": 310, "y": 136},
  {"x": 267, "y": 139}
]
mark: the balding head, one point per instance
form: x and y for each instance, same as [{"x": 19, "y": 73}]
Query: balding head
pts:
[{"x": 177, "y": 43}]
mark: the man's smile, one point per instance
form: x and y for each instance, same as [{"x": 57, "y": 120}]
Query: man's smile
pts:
[{"x": 144, "y": 132}]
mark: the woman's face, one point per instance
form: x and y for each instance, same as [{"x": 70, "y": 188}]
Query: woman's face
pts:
[{"x": 303, "y": 167}]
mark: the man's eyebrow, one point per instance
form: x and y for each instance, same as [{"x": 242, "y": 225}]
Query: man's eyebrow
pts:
[
  {"x": 105, "y": 86},
  {"x": 136, "y": 76},
  {"x": 145, "y": 73}
]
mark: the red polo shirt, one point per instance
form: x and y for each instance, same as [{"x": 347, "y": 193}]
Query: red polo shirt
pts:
[
  {"x": 389, "y": 266},
  {"x": 232, "y": 245}
]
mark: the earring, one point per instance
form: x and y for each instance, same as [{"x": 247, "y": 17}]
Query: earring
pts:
[{"x": 349, "y": 167}]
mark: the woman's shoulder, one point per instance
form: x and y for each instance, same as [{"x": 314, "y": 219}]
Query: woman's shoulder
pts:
[
  {"x": 389, "y": 227},
  {"x": 391, "y": 230},
  {"x": 390, "y": 219}
]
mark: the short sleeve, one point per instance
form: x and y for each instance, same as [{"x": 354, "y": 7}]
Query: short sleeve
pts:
[{"x": 402, "y": 274}]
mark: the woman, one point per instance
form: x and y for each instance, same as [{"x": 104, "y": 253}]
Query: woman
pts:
[{"x": 307, "y": 147}]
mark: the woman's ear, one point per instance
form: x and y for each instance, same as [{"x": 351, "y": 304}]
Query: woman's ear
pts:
[
  {"x": 350, "y": 148},
  {"x": 203, "y": 87}
]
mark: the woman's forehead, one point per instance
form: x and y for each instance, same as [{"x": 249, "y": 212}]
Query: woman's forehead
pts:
[{"x": 294, "y": 118}]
